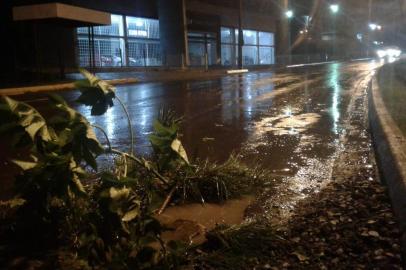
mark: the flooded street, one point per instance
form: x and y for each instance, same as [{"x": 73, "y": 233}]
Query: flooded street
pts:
[{"x": 292, "y": 122}]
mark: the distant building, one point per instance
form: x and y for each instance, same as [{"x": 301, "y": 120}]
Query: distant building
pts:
[
  {"x": 42, "y": 41},
  {"x": 47, "y": 39}
]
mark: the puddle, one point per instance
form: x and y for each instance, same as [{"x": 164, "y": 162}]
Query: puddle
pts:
[
  {"x": 286, "y": 124},
  {"x": 188, "y": 223},
  {"x": 209, "y": 215}
]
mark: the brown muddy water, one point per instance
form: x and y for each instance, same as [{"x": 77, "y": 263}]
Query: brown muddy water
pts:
[{"x": 190, "y": 222}]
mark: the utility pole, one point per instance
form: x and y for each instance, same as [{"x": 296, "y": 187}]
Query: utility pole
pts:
[
  {"x": 369, "y": 21},
  {"x": 240, "y": 35},
  {"x": 185, "y": 58}
]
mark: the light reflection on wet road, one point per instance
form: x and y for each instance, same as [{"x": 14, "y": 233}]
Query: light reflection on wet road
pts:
[
  {"x": 265, "y": 116},
  {"x": 290, "y": 122}
]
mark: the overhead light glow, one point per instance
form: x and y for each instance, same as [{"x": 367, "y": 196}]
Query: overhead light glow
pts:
[
  {"x": 381, "y": 53},
  {"x": 289, "y": 14},
  {"x": 390, "y": 53},
  {"x": 359, "y": 36},
  {"x": 393, "y": 53},
  {"x": 373, "y": 26},
  {"x": 334, "y": 8}
]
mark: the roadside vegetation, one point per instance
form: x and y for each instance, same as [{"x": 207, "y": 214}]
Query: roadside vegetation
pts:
[{"x": 67, "y": 213}]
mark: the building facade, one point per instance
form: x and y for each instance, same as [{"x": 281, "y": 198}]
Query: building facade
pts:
[{"x": 141, "y": 33}]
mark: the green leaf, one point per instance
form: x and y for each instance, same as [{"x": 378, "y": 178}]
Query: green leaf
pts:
[
  {"x": 12, "y": 104},
  {"x": 89, "y": 96},
  {"x": 77, "y": 134},
  {"x": 131, "y": 215},
  {"x": 95, "y": 93},
  {"x": 162, "y": 130},
  {"x": 119, "y": 193},
  {"x": 112, "y": 179},
  {"x": 33, "y": 129},
  {"x": 178, "y": 148},
  {"x": 89, "y": 158},
  {"x": 13, "y": 203},
  {"x": 19, "y": 114},
  {"x": 159, "y": 142},
  {"x": 78, "y": 184},
  {"x": 99, "y": 108},
  {"x": 26, "y": 165}
]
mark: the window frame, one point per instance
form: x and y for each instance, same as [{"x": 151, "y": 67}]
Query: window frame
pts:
[
  {"x": 258, "y": 45},
  {"x": 125, "y": 56}
]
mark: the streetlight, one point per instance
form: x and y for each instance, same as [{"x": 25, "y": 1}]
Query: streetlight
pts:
[
  {"x": 289, "y": 14},
  {"x": 334, "y": 8},
  {"x": 374, "y": 26}
]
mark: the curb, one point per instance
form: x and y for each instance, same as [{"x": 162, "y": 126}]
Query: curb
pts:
[
  {"x": 56, "y": 87},
  {"x": 390, "y": 149}
]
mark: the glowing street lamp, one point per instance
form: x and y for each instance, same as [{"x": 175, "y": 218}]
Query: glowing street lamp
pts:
[
  {"x": 374, "y": 26},
  {"x": 289, "y": 15},
  {"x": 334, "y": 8}
]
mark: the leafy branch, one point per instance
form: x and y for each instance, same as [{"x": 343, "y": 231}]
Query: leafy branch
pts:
[{"x": 99, "y": 95}]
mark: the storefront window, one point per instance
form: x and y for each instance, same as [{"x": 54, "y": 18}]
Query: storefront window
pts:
[
  {"x": 212, "y": 52},
  {"x": 227, "y": 35},
  {"x": 200, "y": 45},
  {"x": 258, "y": 47},
  {"x": 112, "y": 48},
  {"x": 142, "y": 28},
  {"x": 107, "y": 52},
  {"x": 196, "y": 53},
  {"x": 227, "y": 55},
  {"x": 250, "y": 37},
  {"x": 250, "y": 55},
  {"x": 265, "y": 38},
  {"x": 266, "y": 55},
  {"x": 144, "y": 54},
  {"x": 115, "y": 29}
]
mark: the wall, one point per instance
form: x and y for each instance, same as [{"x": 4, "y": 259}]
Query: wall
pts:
[
  {"x": 264, "y": 20},
  {"x": 172, "y": 32}
]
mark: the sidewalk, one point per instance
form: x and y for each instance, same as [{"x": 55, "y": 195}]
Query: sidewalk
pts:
[
  {"x": 388, "y": 125},
  {"x": 124, "y": 77},
  {"x": 392, "y": 84}
]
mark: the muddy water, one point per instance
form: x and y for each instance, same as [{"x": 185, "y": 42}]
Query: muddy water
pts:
[
  {"x": 209, "y": 215},
  {"x": 291, "y": 122},
  {"x": 190, "y": 222}
]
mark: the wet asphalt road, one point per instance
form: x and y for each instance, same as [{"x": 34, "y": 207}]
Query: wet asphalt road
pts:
[{"x": 291, "y": 122}]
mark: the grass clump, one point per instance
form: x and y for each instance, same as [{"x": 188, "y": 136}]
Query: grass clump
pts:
[{"x": 214, "y": 182}]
